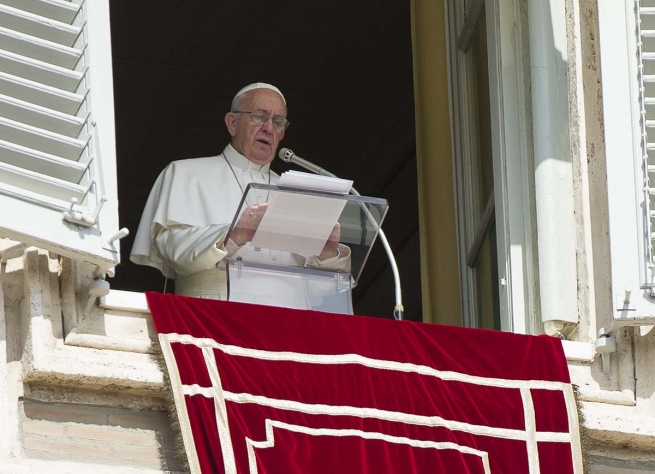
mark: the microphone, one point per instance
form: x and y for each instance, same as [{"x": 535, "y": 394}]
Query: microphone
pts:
[{"x": 290, "y": 157}]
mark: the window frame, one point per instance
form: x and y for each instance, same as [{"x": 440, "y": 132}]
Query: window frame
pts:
[{"x": 512, "y": 161}]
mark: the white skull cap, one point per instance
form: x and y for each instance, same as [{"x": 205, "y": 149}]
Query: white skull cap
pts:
[{"x": 258, "y": 85}]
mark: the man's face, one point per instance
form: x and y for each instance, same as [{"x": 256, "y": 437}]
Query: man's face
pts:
[{"x": 256, "y": 142}]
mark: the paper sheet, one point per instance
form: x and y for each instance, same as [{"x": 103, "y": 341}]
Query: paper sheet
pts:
[
  {"x": 298, "y": 179},
  {"x": 299, "y": 223}
]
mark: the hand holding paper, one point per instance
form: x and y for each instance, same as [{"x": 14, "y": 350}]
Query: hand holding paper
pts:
[
  {"x": 248, "y": 223},
  {"x": 332, "y": 244},
  {"x": 301, "y": 223}
]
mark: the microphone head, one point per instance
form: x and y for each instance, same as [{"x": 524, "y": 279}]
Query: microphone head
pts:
[{"x": 286, "y": 154}]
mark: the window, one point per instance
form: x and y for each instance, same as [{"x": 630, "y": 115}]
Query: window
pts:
[{"x": 491, "y": 161}]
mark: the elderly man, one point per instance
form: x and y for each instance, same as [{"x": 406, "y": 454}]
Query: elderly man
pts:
[{"x": 184, "y": 225}]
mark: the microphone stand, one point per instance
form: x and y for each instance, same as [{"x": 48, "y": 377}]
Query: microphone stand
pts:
[{"x": 398, "y": 310}]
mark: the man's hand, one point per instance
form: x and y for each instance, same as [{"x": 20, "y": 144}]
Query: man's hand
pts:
[
  {"x": 332, "y": 244},
  {"x": 248, "y": 223}
]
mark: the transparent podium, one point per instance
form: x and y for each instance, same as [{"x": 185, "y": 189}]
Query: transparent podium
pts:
[{"x": 305, "y": 249}]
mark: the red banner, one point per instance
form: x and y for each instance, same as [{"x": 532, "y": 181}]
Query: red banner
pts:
[{"x": 275, "y": 391}]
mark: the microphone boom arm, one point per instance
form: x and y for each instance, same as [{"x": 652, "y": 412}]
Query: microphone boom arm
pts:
[
  {"x": 398, "y": 310},
  {"x": 290, "y": 157}
]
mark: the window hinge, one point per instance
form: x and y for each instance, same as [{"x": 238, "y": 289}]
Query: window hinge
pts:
[
  {"x": 83, "y": 217},
  {"x": 626, "y": 314}
]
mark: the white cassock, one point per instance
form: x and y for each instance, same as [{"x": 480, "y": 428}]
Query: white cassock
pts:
[{"x": 185, "y": 221}]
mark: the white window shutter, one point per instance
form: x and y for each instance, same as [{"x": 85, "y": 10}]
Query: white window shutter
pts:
[
  {"x": 627, "y": 55},
  {"x": 646, "y": 62},
  {"x": 57, "y": 142}
]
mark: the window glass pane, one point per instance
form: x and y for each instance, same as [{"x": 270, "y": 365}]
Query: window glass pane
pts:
[
  {"x": 485, "y": 269},
  {"x": 486, "y": 282},
  {"x": 483, "y": 160}
]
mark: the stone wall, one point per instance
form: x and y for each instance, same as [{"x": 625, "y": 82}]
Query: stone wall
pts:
[
  {"x": 80, "y": 392},
  {"x": 83, "y": 392}
]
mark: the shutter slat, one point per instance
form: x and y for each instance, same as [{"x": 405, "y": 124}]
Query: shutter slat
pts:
[
  {"x": 41, "y": 184},
  {"x": 42, "y": 163},
  {"x": 40, "y": 49},
  {"x": 646, "y": 56},
  {"x": 40, "y": 94},
  {"x": 40, "y": 117},
  {"x": 40, "y": 71},
  {"x": 41, "y": 27},
  {"x": 42, "y": 140},
  {"x": 54, "y": 9}
]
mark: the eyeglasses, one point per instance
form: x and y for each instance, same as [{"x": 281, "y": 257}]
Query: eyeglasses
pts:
[{"x": 260, "y": 117}]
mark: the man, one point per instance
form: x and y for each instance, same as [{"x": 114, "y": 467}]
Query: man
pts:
[{"x": 184, "y": 225}]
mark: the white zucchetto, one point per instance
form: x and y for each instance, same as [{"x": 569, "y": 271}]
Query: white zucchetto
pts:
[{"x": 257, "y": 85}]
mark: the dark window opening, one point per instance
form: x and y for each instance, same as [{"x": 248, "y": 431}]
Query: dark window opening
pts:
[{"x": 345, "y": 69}]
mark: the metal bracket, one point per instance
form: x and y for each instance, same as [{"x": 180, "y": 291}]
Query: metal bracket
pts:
[
  {"x": 605, "y": 345},
  {"x": 86, "y": 217},
  {"x": 98, "y": 288},
  {"x": 83, "y": 217},
  {"x": 624, "y": 301},
  {"x": 124, "y": 232},
  {"x": 627, "y": 314}
]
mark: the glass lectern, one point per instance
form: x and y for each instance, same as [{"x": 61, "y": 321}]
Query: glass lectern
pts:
[{"x": 281, "y": 263}]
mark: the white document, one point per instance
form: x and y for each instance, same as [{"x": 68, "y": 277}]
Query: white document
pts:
[
  {"x": 299, "y": 223},
  {"x": 315, "y": 182}
]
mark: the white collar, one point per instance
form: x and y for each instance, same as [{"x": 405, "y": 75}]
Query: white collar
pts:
[{"x": 237, "y": 159}]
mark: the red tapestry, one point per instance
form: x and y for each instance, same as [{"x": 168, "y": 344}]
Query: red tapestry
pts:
[{"x": 276, "y": 391}]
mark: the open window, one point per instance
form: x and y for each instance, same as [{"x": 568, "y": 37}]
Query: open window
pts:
[{"x": 491, "y": 162}]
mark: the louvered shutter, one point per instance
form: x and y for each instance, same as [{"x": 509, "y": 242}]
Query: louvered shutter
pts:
[
  {"x": 646, "y": 59},
  {"x": 57, "y": 145},
  {"x": 627, "y": 69}
]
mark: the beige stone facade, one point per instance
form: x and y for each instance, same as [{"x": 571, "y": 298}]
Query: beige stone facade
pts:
[
  {"x": 80, "y": 389},
  {"x": 83, "y": 393},
  {"x": 79, "y": 392}
]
